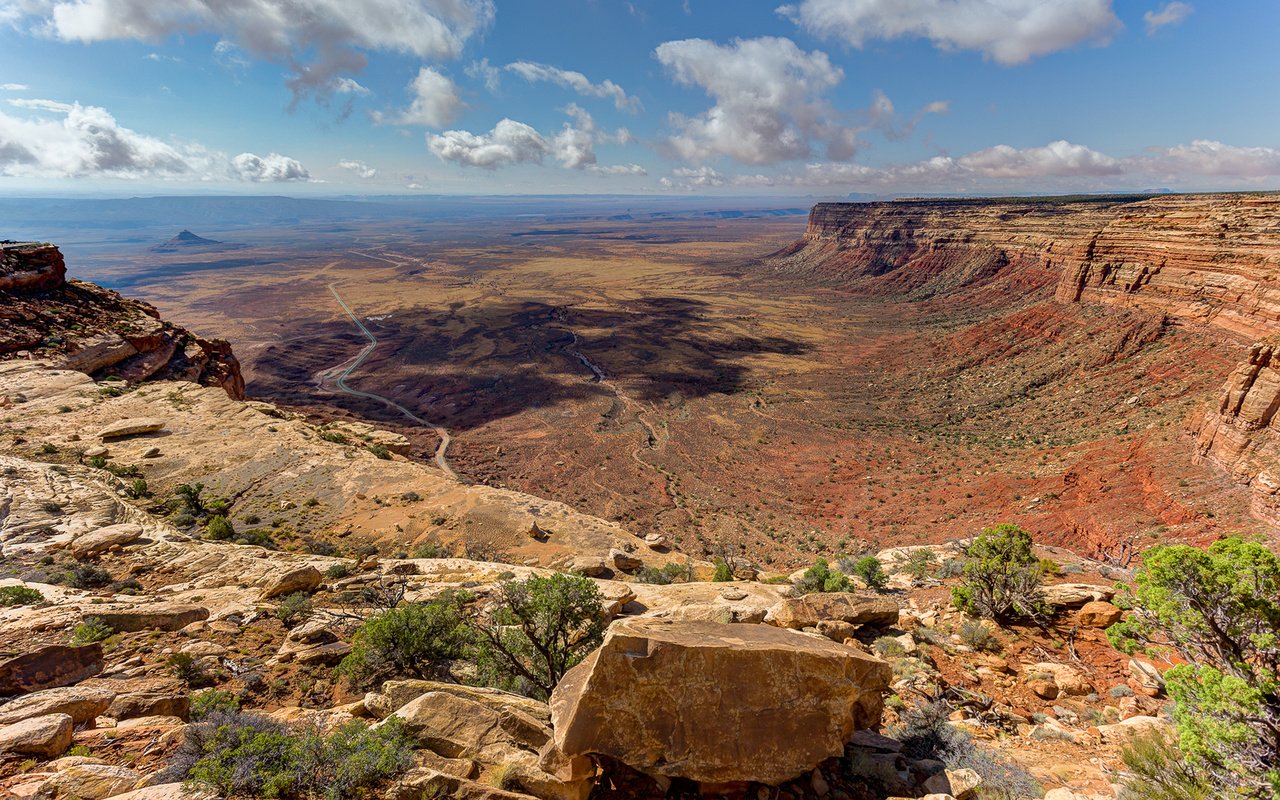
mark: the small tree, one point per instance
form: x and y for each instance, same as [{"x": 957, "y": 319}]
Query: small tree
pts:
[
  {"x": 219, "y": 528},
  {"x": 723, "y": 573},
  {"x": 821, "y": 578},
  {"x": 189, "y": 494},
  {"x": 919, "y": 563},
  {"x": 1002, "y": 578},
  {"x": 1219, "y": 610},
  {"x": 541, "y": 628},
  {"x": 871, "y": 572},
  {"x": 418, "y": 640}
]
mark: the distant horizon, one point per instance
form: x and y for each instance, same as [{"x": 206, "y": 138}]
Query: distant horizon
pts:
[{"x": 815, "y": 98}]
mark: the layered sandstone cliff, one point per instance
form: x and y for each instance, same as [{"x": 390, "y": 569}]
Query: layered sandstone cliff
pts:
[
  {"x": 96, "y": 331},
  {"x": 1213, "y": 259}
]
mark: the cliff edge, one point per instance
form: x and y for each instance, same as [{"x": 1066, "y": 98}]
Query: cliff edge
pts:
[{"x": 90, "y": 329}]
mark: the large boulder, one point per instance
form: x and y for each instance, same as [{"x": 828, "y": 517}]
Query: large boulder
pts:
[
  {"x": 149, "y": 617},
  {"x": 82, "y": 703},
  {"x": 1098, "y": 614},
  {"x": 716, "y": 703},
  {"x": 1074, "y": 595},
  {"x": 396, "y": 694},
  {"x": 48, "y": 667},
  {"x": 103, "y": 539},
  {"x": 302, "y": 579},
  {"x": 131, "y": 427},
  {"x": 150, "y": 703},
  {"x": 854, "y": 609},
  {"x": 48, "y": 736},
  {"x": 90, "y": 782}
]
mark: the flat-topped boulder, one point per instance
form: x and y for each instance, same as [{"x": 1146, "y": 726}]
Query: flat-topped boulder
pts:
[
  {"x": 135, "y": 426},
  {"x": 48, "y": 736},
  {"x": 149, "y": 617},
  {"x": 103, "y": 539},
  {"x": 1075, "y": 595},
  {"x": 716, "y": 703},
  {"x": 300, "y": 579},
  {"x": 81, "y": 703},
  {"x": 49, "y": 666},
  {"x": 854, "y": 609}
]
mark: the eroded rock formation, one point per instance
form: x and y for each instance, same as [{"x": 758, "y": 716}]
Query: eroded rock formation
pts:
[{"x": 96, "y": 331}]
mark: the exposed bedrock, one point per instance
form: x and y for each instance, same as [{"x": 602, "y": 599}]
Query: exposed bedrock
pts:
[{"x": 93, "y": 330}]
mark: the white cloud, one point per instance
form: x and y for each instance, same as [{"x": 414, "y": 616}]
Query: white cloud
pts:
[
  {"x": 618, "y": 169},
  {"x": 435, "y": 102},
  {"x": 1006, "y": 31},
  {"x": 509, "y": 142},
  {"x": 768, "y": 95},
  {"x": 1210, "y": 158},
  {"x": 272, "y": 168},
  {"x": 576, "y": 81},
  {"x": 1168, "y": 14},
  {"x": 1056, "y": 159},
  {"x": 13, "y": 87},
  {"x": 359, "y": 168},
  {"x": 574, "y": 148},
  {"x": 68, "y": 140},
  {"x": 350, "y": 86},
  {"x": 483, "y": 71},
  {"x": 320, "y": 40}
]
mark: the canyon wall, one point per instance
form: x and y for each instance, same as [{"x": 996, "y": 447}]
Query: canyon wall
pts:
[
  {"x": 1211, "y": 262},
  {"x": 1212, "y": 259},
  {"x": 84, "y": 327}
]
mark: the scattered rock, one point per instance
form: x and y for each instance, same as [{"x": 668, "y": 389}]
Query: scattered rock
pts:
[
  {"x": 657, "y": 541},
  {"x": 806, "y": 612},
  {"x": 81, "y": 703},
  {"x": 131, "y": 427},
  {"x": 1045, "y": 690},
  {"x": 1146, "y": 679},
  {"x": 302, "y": 579},
  {"x": 1069, "y": 680},
  {"x": 151, "y": 452},
  {"x": 1121, "y": 732},
  {"x": 653, "y": 696},
  {"x": 1098, "y": 614},
  {"x": 591, "y": 566},
  {"x": 150, "y": 703},
  {"x": 103, "y": 539},
  {"x": 48, "y": 667},
  {"x": 48, "y": 736}
]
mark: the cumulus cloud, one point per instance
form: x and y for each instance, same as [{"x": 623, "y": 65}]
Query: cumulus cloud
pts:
[
  {"x": 512, "y": 142},
  {"x": 435, "y": 100},
  {"x": 68, "y": 140},
  {"x": 1168, "y": 14},
  {"x": 769, "y": 104},
  {"x": 272, "y": 168},
  {"x": 509, "y": 142},
  {"x": 1006, "y": 31},
  {"x": 1210, "y": 158},
  {"x": 359, "y": 168},
  {"x": 1057, "y": 159},
  {"x": 319, "y": 40},
  {"x": 576, "y": 81}
]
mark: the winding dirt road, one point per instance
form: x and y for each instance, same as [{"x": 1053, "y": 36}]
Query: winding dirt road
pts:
[{"x": 341, "y": 382}]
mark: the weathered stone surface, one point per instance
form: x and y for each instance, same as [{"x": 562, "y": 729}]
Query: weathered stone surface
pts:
[
  {"x": 149, "y": 617},
  {"x": 457, "y": 727},
  {"x": 1098, "y": 614},
  {"x": 961, "y": 784},
  {"x": 855, "y": 609},
  {"x": 47, "y": 736},
  {"x": 591, "y": 566},
  {"x": 167, "y": 791},
  {"x": 714, "y": 702},
  {"x": 302, "y": 579},
  {"x": 150, "y": 703},
  {"x": 1145, "y": 677},
  {"x": 132, "y": 427},
  {"x": 82, "y": 703},
  {"x": 49, "y": 666},
  {"x": 1074, "y": 595},
  {"x": 432, "y": 783},
  {"x": 103, "y": 539},
  {"x": 625, "y": 561},
  {"x": 396, "y": 694},
  {"x": 89, "y": 782}
]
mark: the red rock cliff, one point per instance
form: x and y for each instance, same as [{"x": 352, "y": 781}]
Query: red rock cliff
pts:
[
  {"x": 95, "y": 330},
  {"x": 1212, "y": 261}
]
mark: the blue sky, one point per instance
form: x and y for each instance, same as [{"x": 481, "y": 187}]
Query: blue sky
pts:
[{"x": 819, "y": 97}]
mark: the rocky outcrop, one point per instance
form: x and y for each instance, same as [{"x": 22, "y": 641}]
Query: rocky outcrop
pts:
[
  {"x": 49, "y": 666},
  {"x": 1241, "y": 434},
  {"x": 1208, "y": 258},
  {"x": 94, "y": 330},
  {"x": 714, "y": 703}
]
